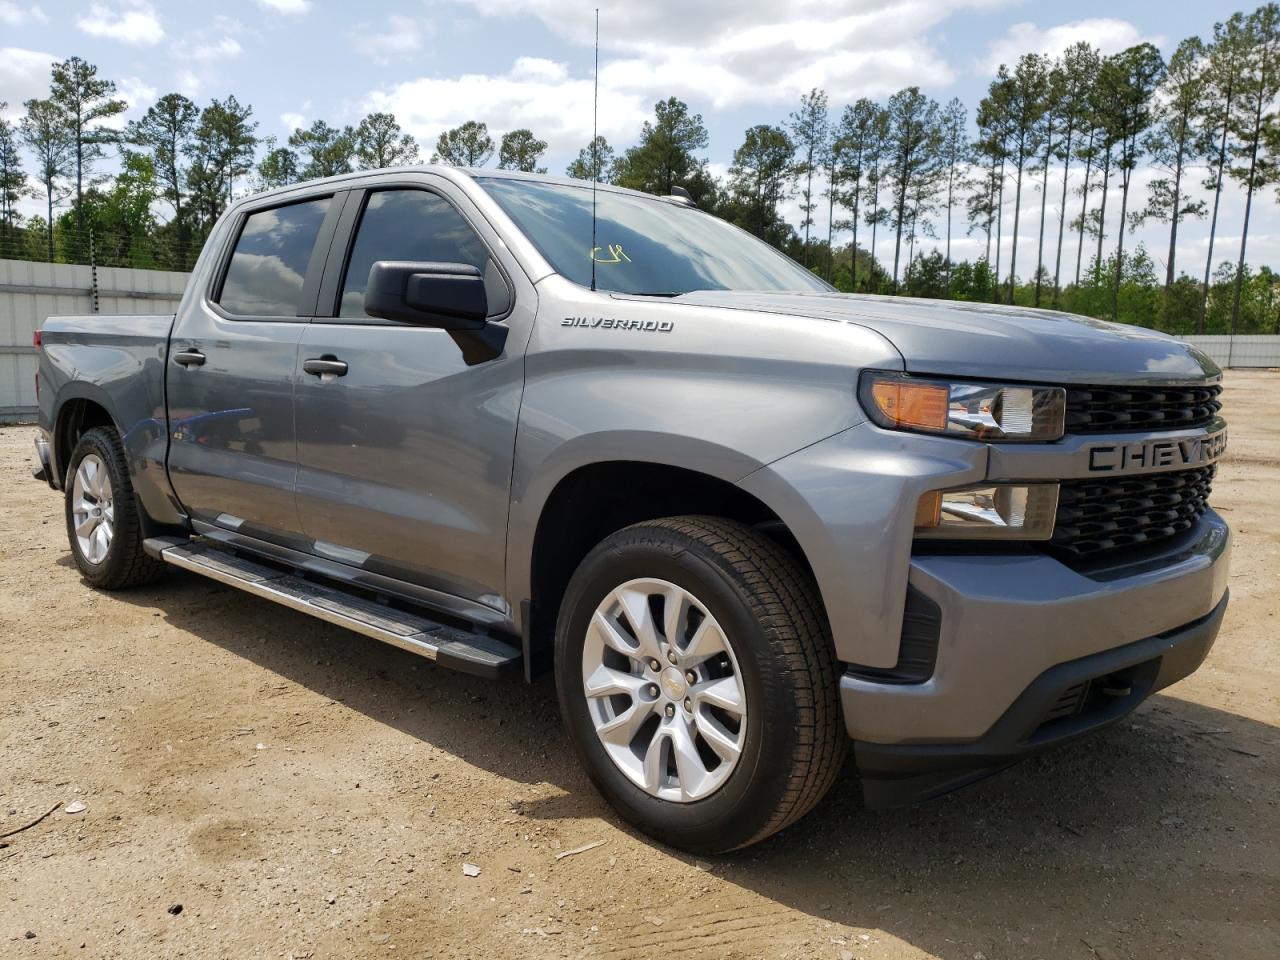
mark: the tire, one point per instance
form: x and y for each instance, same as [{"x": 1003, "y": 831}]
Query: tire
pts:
[
  {"x": 766, "y": 608},
  {"x": 115, "y": 560}
]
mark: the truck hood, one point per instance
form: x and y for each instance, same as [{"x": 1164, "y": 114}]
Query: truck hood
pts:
[{"x": 987, "y": 340}]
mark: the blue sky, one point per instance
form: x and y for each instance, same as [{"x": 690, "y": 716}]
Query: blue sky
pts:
[{"x": 528, "y": 63}]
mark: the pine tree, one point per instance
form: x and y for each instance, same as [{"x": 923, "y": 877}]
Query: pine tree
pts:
[
  {"x": 324, "y": 151},
  {"x": 468, "y": 145},
  {"x": 165, "y": 129},
  {"x": 521, "y": 150},
  {"x": 279, "y": 166},
  {"x": 379, "y": 142},
  {"x": 13, "y": 180},
  {"x": 664, "y": 157},
  {"x": 47, "y": 133},
  {"x": 809, "y": 128},
  {"x": 1253, "y": 124},
  {"x": 1136, "y": 73},
  {"x": 1079, "y": 66},
  {"x": 1173, "y": 145},
  {"x": 758, "y": 181},
  {"x": 955, "y": 151},
  {"x": 1021, "y": 97},
  {"x": 86, "y": 100},
  {"x": 914, "y": 140},
  {"x": 594, "y": 162},
  {"x": 1226, "y": 53},
  {"x": 857, "y": 133}
]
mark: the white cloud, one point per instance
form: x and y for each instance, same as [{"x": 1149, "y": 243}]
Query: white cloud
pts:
[
  {"x": 755, "y": 51},
  {"x": 291, "y": 7},
  {"x": 135, "y": 22},
  {"x": 535, "y": 93},
  {"x": 24, "y": 75},
  {"x": 400, "y": 37},
  {"x": 15, "y": 16},
  {"x": 294, "y": 121},
  {"x": 226, "y": 48},
  {"x": 1108, "y": 34}
]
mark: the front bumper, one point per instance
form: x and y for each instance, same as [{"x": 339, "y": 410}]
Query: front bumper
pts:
[
  {"x": 1031, "y": 653},
  {"x": 1105, "y": 686}
]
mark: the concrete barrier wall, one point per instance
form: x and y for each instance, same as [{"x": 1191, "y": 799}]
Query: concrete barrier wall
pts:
[
  {"x": 30, "y": 292},
  {"x": 1243, "y": 351}
]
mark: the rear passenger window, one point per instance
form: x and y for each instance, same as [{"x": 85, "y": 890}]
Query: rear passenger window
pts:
[
  {"x": 415, "y": 225},
  {"x": 270, "y": 260}
]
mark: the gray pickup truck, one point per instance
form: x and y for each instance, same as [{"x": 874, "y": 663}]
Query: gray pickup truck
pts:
[{"x": 512, "y": 423}]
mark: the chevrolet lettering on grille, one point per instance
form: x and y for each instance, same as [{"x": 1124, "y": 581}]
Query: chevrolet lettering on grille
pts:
[{"x": 1157, "y": 454}]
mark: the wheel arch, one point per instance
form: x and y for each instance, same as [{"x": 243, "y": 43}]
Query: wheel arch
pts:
[
  {"x": 594, "y": 500},
  {"x": 81, "y": 407}
]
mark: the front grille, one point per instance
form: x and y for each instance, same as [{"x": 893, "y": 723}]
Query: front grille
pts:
[
  {"x": 1101, "y": 515},
  {"x": 1122, "y": 409}
]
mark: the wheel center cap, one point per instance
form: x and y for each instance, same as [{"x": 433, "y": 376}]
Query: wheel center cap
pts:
[{"x": 673, "y": 683}]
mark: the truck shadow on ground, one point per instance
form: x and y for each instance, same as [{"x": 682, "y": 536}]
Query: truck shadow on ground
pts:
[{"x": 1085, "y": 851}]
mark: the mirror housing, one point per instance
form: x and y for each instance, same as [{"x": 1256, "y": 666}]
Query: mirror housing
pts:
[{"x": 450, "y": 296}]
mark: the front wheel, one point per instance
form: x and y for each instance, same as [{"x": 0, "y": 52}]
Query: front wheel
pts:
[
  {"x": 697, "y": 681},
  {"x": 103, "y": 523}
]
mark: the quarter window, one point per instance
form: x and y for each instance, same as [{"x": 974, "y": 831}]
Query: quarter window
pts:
[
  {"x": 269, "y": 263},
  {"x": 420, "y": 226}
]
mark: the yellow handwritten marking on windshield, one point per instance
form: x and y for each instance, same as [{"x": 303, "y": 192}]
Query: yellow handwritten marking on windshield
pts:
[{"x": 616, "y": 254}]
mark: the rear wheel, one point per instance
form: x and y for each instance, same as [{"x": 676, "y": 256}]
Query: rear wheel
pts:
[
  {"x": 698, "y": 683},
  {"x": 103, "y": 523}
]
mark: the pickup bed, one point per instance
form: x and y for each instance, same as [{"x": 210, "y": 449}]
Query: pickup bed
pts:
[{"x": 514, "y": 423}]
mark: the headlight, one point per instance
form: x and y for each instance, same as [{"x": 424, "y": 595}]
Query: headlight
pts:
[
  {"x": 976, "y": 411},
  {"x": 1003, "y": 511}
]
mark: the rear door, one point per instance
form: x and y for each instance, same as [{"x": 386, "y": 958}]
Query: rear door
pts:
[
  {"x": 404, "y": 459},
  {"x": 230, "y": 380}
]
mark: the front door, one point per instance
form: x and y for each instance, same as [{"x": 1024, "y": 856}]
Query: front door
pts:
[
  {"x": 233, "y": 358},
  {"x": 404, "y": 449}
]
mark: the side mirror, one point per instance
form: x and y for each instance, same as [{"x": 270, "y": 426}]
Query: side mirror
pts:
[{"x": 450, "y": 296}]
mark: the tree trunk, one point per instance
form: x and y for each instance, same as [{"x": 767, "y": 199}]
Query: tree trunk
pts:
[
  {"x": 1062, "y": 219},
  {"x": 1248, "y": 204},
  {"x": 1017, "y": 211},
  {"x": 1217, "y": 196},
  {"x": 1102, "y": 208},
  {"x": 1084, "y": 204},
  {"x": 831, "y": 212},
  {"x": 1044, "y": 199},
  {"x": 853, "y": 254},
  {"x": 1126, "y": 175},
  {"x": 999, "y": 225},
  {"x": 49, "y": 191},
  {"x": 1169, "y": 273},
  {"x": 900, "y": 211}
]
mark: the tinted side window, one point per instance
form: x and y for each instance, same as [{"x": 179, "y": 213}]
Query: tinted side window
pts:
[
  {"x": 415, "y": 225},
  {"x": 269, "y": 263}
]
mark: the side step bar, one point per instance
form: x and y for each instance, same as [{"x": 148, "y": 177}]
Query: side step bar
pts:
[{"x": 450, "y": 647}]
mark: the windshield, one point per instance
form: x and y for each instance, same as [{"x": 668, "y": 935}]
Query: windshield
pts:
[{"x": 643, "y": 246}]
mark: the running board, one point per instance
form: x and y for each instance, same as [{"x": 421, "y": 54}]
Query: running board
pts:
[{"x": 448, "y": 646}]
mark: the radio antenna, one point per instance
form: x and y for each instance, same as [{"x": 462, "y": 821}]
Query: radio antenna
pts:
[{"x": 595, "y": 148}]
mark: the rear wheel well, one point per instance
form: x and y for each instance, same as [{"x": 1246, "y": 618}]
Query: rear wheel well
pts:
[
  {"x": 75, "y": 418},
  {"x": 597, "y": 500}
]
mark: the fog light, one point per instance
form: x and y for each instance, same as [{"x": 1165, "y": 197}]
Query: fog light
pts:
[{"x": 993, "y": 512}]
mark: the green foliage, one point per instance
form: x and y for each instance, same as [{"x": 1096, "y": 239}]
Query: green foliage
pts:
[
  {"x": 379, "y": 142},
  {"x": 468, "y": 145},
  {"x": 279, "y": 167},
  {"x": 594, "y": 162},
  {"x": 664, "y": 157},
  {"x": 521, "y": 150},
  {"x": 13, "y": 180},
  {"x": 758, "y": 182},
  {"x": 324, "y": 151}
]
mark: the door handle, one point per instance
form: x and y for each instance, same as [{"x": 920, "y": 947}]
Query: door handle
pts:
[
  {"x": 324, "y": 367},
  {"x": 189, "y": 358}
]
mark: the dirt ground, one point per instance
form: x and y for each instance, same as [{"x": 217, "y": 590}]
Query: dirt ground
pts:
[{"x": 301, "y": 791}]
